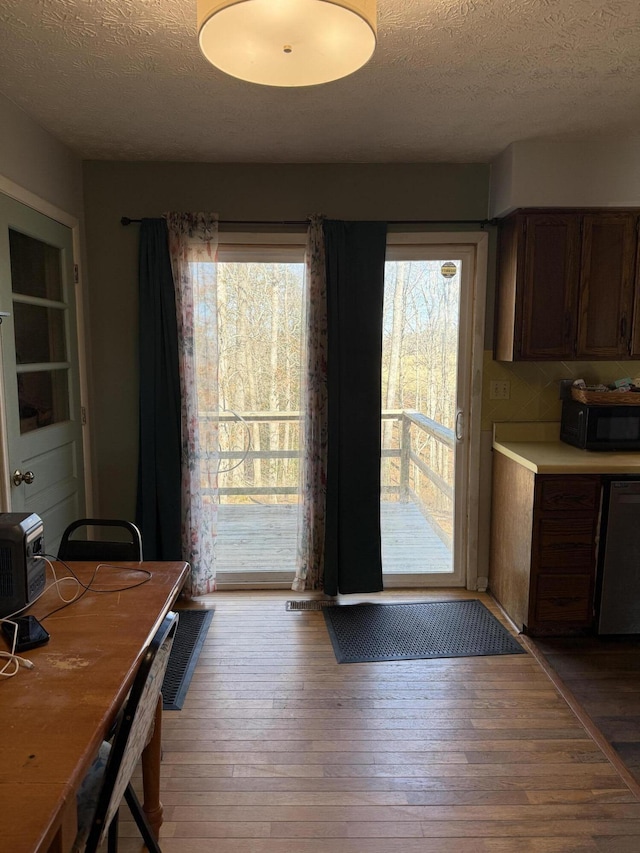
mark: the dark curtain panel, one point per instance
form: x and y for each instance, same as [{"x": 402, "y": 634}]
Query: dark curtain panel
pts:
[
  {"x": 355, "y": 254},
  {"x": 158, "y": 511}
]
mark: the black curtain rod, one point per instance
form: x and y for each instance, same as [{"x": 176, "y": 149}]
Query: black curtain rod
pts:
[{"x": 126, "y": 220}]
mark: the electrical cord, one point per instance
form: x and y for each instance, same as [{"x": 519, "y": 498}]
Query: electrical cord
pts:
[
  {"x": 89, "y": 587},
  {"x": 13, "y": 661}
]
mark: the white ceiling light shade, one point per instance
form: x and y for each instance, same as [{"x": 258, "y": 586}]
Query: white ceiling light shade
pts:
[{"x": 287, "y": 42}]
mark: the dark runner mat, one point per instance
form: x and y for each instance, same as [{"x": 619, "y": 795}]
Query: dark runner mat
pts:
[{"x": 187, "y": 644}]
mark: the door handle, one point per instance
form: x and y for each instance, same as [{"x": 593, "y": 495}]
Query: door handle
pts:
[
  {"x": 459, "y": 424},
  {"x": 18, "y": 477}
]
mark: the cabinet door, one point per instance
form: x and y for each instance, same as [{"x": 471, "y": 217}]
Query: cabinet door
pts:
[
  {"x": 606, "y": 285},
  {"x": 635, "y": 334},
  {"x": 562, "y": 494},
  {"x": 565, "y": 543},
  {"x": 549, "y": 286},
  {"x": 564, "y": 599},
  {"x": 563, "y": 556}
]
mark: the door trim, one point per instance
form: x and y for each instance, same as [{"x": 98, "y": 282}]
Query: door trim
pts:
[
  {"x": 26, "y": 197},
  {"x": 475, "y": 246},
  {"x": 478, "y": 243}
]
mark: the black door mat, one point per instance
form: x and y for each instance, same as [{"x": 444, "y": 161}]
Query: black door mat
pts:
[
  {"x": 439, "y": 629},
  {"x": 187, "y": 644}
]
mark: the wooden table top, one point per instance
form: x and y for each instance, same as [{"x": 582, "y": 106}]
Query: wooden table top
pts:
[{"x": 54, "y": 716}]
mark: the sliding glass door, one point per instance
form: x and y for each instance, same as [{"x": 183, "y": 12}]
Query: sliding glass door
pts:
[
  {"x": 426, "y": 404},
  {"x": 260, "y": 290},
  {"x": 431, "y": 320}
]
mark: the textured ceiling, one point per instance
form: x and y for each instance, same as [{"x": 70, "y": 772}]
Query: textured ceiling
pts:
[{"x": 451, "y": 80}]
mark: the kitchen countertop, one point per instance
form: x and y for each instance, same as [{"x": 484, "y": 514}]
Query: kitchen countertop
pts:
[{"x": 537, "y": 447}]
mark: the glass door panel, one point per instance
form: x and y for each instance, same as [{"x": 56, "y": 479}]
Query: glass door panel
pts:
[
  {"x": 420, "y": 406},
  {"x": 260, "y": 306},
  {"x": 40, "y": 333},
  {"x": 40, "y": 330},
  {"x": 43, "y": 397}
]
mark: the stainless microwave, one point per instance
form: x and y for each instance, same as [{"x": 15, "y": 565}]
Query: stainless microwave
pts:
[{"x": 598, "y": 427}]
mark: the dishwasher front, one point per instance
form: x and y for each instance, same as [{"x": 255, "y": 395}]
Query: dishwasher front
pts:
[{"x": 619, "y": 571}]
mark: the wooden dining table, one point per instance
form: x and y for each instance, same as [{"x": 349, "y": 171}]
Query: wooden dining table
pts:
[{"x": 54, "y": 717}]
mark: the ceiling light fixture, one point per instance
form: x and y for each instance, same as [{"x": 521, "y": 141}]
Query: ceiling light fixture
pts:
[{"x": 287, "y": 42}]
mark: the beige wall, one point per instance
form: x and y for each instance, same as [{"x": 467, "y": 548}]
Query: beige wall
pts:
[
  {"x": 236, "y": 192},
  {"x": 537, "y": 173},
  {"x": 38, "y": 162},
  {"x": 38, "y": 170}
]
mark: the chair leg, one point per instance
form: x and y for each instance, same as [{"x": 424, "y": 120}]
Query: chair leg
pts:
[
  {"x": 141, "y": 820},
  {"x": 112, "y": 839}
]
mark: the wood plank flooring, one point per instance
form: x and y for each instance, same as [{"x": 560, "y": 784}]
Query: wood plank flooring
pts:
[
  {"x": 603, "y": 673},
  {"x": 279, "y": 749}
]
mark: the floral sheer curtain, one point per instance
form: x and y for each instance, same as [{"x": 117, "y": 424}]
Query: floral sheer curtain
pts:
[
  {"x": 311, "y": 521},
  {"x": 193, "y": 243}
]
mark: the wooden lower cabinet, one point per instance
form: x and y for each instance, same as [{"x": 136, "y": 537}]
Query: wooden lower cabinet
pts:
[
  {"x": 563, "y": 598},
  {"x": 543, "y": 547}
]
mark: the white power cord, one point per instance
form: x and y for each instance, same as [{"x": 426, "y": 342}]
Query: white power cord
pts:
[{"x": 13, "y": 661}]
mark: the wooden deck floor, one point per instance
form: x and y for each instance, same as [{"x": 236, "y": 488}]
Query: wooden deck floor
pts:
[
  {"x": 257, "y": 538},
  {"x": 279, "y": 749}
]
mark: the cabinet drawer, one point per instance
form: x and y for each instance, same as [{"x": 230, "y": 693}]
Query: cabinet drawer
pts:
[
  {"x": 564, "y": 598},
  {"x": 562, "y": 494},
  {"x": 566, "y": 543}
]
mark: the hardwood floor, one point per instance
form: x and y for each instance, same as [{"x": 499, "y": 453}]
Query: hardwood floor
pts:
[
  {"x": 603, "y": 673},
  {"x": 279, "y": 749}
]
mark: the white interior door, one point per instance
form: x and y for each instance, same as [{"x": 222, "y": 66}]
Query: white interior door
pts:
[{"x": 43, "y": 454}]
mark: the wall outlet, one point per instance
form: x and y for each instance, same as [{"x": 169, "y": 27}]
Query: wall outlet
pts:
[{"x": 500, "y": 390}]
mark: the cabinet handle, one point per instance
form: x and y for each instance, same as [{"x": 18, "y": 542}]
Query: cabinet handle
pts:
[
  {"x": 623, "y": 327},
  {"x": 568, "y": 331},
  {"x": 566, "y": 601}
]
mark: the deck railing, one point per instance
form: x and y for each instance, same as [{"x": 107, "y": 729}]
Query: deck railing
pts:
[
  {"x": 424, "y": 475},
  {"x": 418, "y": 463}
]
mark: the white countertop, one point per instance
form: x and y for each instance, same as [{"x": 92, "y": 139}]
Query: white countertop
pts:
[{"x": 537, "y": 447}]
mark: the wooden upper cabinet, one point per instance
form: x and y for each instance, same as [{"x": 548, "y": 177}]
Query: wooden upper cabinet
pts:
[
  {"x": 550, "y": 286},
  {"x": 635, "y": 324},
  {"x": 606, "y": 293},
  {"x": 538, "y": 266},
  {"x": 566, "y": 286}
]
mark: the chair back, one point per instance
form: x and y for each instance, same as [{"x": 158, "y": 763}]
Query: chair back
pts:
[
  {"x": 101, "y": 549},
  {"x": 134, "y": 729}
]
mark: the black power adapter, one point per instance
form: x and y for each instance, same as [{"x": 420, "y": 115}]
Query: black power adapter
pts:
[{"x": 29, "y": 633}]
